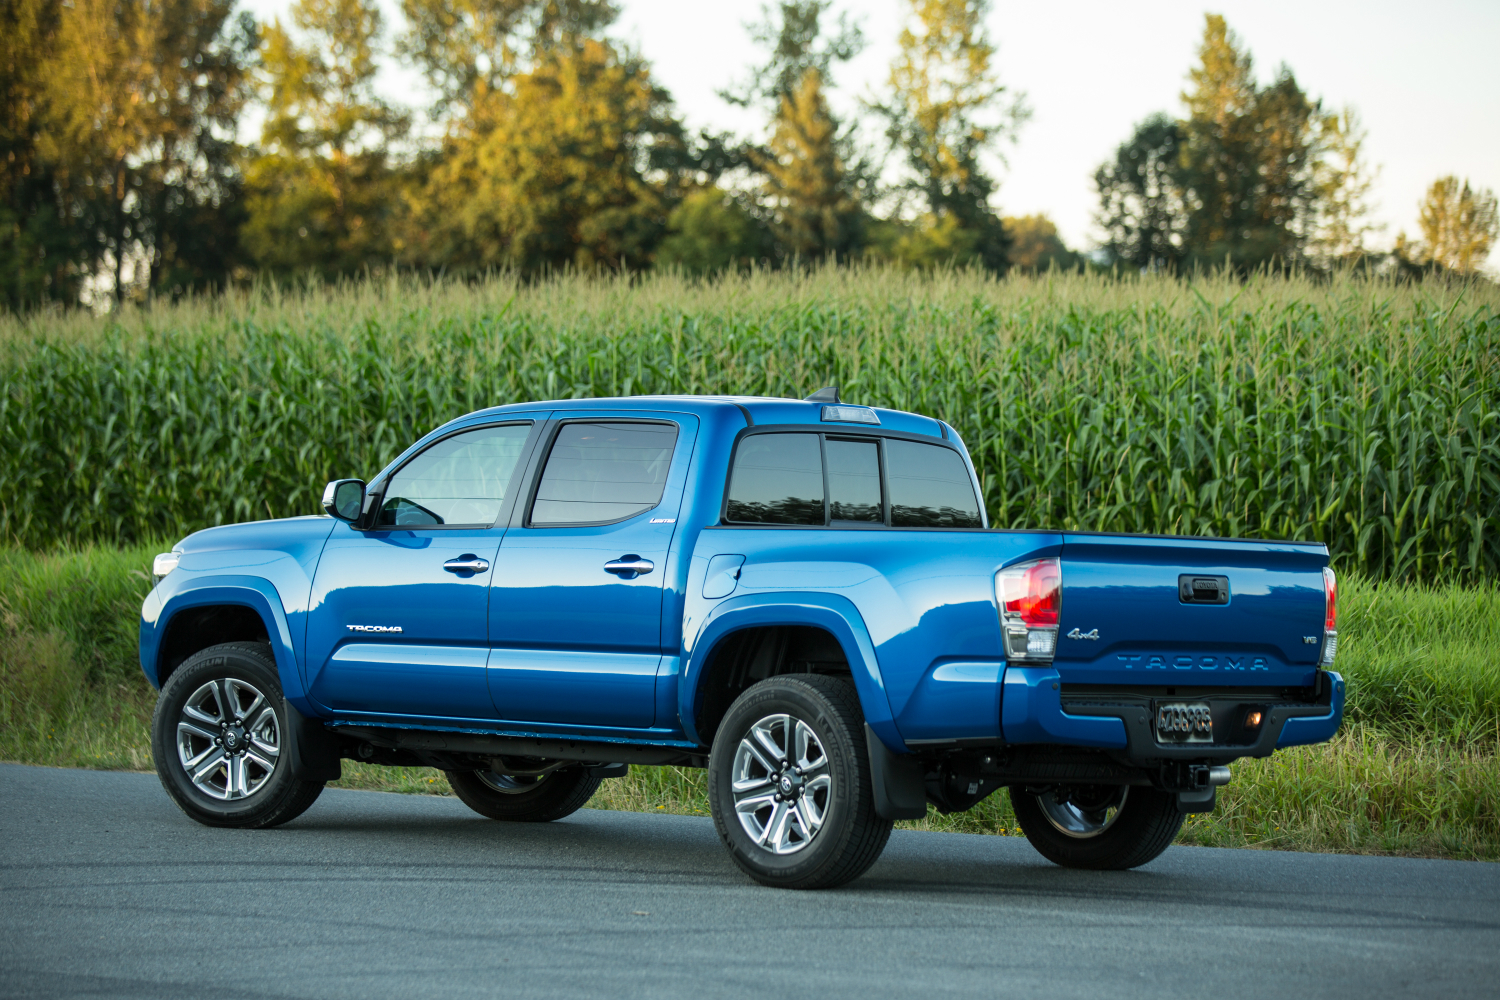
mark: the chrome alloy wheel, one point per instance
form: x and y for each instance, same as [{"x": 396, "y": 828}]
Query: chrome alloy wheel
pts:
[
  {"x": 507, "y": 784},
  {"x": 781, "y": 784},
  {"x": 1083, "y": 811},
  {"x": 228, "y": 739}
]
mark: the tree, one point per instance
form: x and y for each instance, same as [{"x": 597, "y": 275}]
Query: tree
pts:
[
  {"x": 1459, "y": 225},
  {"x": 44, "y": 253},
  {"x": 793, "y": 33},
  {"x": 322, "y": 195},
  {"x": 566, "y": 164},
  {"x": 1036, "y": 246},
  {"x": 468, "y": 49},
  {"x": 710, "y": 231},
  {"x": 1342, "y": 183},
  {"x": 143, "y": 101},
  {"x": 815, "y": 212},
  {"x": 1247, "y": 158},
  {"x": 945, "y": 110},
  {"x": 1141, "y": 207}
]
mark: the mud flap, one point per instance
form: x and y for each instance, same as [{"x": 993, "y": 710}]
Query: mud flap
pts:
[
  {"x": 897, "y": 780},
  {"x": 1200, "y": 800},
  {"x": 313, "y": 749}
]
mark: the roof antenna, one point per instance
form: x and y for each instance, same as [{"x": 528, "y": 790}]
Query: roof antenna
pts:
[{"x": 828, "y": 395}]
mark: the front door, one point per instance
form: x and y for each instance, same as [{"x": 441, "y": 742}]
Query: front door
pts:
[
  {"x": 398, "y": 611},
  {"x": 576, "y": 602}
]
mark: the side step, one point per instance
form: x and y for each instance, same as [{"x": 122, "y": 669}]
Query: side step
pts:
[{"x": 427, "y": 742}]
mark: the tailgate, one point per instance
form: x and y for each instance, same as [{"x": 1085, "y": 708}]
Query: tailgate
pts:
[{"x": 1130, "y": 613}]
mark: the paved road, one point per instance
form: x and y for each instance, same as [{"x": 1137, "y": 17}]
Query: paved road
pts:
[{"x": 106, "y": 890}]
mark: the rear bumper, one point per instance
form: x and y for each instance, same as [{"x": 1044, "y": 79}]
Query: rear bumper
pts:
[{"x": 1036, "y": 707}]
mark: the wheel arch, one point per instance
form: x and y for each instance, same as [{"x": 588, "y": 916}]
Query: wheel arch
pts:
[
  {"x": 208, "y": 612},
  {"x": 831, "y": 614}
]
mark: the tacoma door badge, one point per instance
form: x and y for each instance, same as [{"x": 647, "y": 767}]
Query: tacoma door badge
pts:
[
  {"x": 373, "y": 628},
  {"x": 1090, "y": 634}
]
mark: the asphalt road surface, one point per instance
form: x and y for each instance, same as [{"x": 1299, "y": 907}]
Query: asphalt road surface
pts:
[{"x": 108, "y": 891}]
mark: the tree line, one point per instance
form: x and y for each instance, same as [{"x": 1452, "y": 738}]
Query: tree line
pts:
[{"x": 125, "y": 171}]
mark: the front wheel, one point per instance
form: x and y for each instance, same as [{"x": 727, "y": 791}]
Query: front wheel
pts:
[
  {"x": 1099, "y": 827},
  {"x": 220, "y": 738},
  {"x": 789, "y": 784}
]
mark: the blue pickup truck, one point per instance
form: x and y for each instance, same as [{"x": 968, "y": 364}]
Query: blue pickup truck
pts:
[{"x": 802, "y": 596}]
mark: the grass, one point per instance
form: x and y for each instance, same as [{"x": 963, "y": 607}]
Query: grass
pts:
[
  {"x": 1358, "y": 412},
  {"x": 1416, "y": 770}
]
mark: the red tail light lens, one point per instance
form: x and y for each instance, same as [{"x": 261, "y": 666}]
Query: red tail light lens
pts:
[
  {"x": 1331, "y": 591},
  {"x": 1033, "y": 591}
]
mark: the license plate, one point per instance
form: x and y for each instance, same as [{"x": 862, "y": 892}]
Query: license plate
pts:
[{"x": 1184, "y": 722}]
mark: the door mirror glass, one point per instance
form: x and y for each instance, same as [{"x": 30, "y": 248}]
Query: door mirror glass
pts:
[
  {"x": 344, "y": 498},
  {"x": 459, "y": 481}
]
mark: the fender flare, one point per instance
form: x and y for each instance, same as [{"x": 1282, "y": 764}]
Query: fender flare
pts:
[
  {"x": 832, "y": 612},
  {"x": 255, "y": 593}
]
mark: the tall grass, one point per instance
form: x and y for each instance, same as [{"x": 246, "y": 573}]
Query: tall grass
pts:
[{"x": 1359, "y": 413}]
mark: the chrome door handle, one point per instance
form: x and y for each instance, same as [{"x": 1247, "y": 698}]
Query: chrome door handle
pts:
[
  {"x": 629, "y": 567},
  {"x": 468, "y": 563}
]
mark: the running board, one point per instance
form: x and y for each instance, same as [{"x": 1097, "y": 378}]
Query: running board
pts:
[{"x": 426, "y": 740}]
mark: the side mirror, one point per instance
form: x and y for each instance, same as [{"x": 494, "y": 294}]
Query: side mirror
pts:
[{"x": 345, "y": 498}]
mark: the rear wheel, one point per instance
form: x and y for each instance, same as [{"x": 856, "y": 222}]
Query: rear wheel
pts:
[
  {"x": 789, "y": 784},
  {"x": 535, "y": 798},
  {"x": 1101, "y": 827},
  {"x": 220, "y": 739}
]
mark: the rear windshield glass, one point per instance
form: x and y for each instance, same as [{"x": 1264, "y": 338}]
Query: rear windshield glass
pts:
[
  {"x": 599, "y": 473},
  {"x": 930, "y": 487},
  {"x": 853, "y": 480},
  {"x": 777, "y": 479}
]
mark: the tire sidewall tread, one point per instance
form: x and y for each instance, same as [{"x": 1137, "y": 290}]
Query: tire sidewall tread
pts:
[
  {"x": 858, "y": 835},
  {"x": 286, "y": 798},
  {"x": 561, "y": 793},
  {"x": 1147, "y": 825}
]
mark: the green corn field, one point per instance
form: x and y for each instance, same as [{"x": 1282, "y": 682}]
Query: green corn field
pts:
[{"x": 1358, "y": 412}]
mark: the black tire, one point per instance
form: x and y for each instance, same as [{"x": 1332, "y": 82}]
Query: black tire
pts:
[
  {"x": 1142, "y": 827},
  {"x": 198, "y": 703},
  {"x": 525, "y": 800},
  {"x": 850, "y": 836}
]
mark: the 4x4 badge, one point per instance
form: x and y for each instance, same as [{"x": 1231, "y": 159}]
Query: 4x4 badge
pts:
[{"x": 1090, "y": 634}]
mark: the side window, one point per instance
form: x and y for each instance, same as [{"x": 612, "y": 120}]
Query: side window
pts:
[
  {"x": 853, "y": 480},
  {"x": 601, "y": 473},
  {"x": 460, "y": 480},
  {"x": 777, "y": 479},
  {"x": 930, "y": 487}
]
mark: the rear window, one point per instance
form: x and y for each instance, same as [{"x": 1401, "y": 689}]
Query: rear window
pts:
[
  {"x": 930, "y": 487},
  {"x": 777, "y": 479},
  {"x": 783, "y": 478},
  {"x": 600, "y": 473}
]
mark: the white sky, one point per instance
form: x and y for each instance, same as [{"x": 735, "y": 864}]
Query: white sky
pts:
[{"x": 1424, "y": 78}]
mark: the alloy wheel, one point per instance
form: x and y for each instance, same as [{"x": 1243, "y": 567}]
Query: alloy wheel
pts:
[
  {"x": 781, "y": 784},
  {"x": 228, "y": 739}
]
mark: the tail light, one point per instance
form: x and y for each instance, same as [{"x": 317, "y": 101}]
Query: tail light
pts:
[
  {"x": 1330, "y": 617},
  {"x": 1029, "y": 596}
]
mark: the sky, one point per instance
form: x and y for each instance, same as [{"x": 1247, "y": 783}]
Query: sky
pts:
[{"x": 1423, "y": 77}]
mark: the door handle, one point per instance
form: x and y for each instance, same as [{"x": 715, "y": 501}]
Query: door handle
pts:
[
  {"x": 467, "y": 564},
  {"x": 629, "y": 567}
]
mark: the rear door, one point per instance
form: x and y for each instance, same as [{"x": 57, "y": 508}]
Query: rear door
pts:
[
  {"x": 576, "y": 601},
  {"x": 1186, "y": 611}
]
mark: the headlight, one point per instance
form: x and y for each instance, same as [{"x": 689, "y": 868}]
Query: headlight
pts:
[{"x": 164, "y": 564}]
